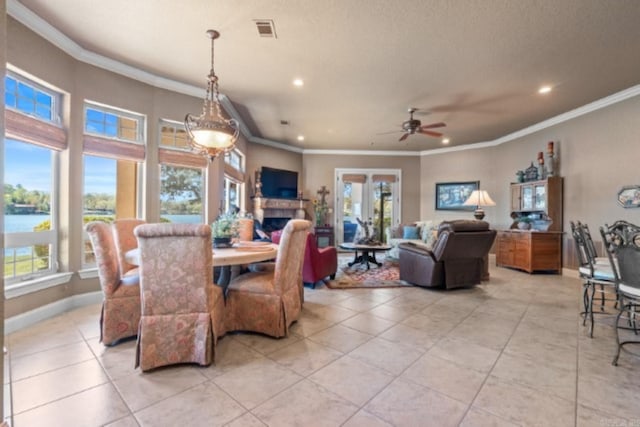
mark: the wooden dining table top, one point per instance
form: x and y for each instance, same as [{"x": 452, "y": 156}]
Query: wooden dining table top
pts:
[{"x": 237, "y": 255}]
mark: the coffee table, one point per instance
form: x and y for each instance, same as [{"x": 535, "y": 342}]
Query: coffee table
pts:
[{"x": 367, "y": 253}]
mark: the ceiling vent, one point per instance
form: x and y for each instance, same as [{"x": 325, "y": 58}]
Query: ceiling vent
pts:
[
  {"x": 284, "y": 122},
  {"x": 265, "y": 28}
]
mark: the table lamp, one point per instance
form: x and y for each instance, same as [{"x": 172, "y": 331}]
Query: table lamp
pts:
[{"x": 479, "y": 198}]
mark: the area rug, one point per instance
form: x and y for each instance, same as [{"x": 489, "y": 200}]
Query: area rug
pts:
[{"x": 357, "y": 276}]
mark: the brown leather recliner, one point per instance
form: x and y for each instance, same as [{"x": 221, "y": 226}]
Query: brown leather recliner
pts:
[{"x": 456, "y": 259}]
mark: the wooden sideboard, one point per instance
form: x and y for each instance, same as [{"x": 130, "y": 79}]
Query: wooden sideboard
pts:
[
  {"x": 539, "y": 197},
  {"x": 529, "y": 250}
]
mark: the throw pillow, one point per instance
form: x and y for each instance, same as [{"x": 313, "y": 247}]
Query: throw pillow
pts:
[
  {"x": 410, "y": 232},
  {"x": 396, "y": 232},
  {"x": 430, "y": 233},
  {"x": 426, "y": 227}
]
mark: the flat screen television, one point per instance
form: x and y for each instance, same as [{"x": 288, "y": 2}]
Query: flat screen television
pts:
[{"x": 278, "y": 183}]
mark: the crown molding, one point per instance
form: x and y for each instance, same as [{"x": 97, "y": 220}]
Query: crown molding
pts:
[
  {"x": 561, "y": 118},
  {"x": 275, "y": 144},
  {"x": 54, "y": 36},
  {"x": 362, "y": 152}
]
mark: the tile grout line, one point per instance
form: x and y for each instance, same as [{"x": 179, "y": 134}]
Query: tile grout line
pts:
[{"x": 495, "y": 363}]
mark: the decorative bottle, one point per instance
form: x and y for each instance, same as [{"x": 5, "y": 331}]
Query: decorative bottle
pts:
[{"x": 550, "y": 170}]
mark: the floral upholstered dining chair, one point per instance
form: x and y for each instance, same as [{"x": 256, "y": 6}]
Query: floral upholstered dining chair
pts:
[
  {"x": 182, "y": 310},
  {"x": 125, "y": 241},
  {"x": 121, "y": 305},
  {"x": 269, "y": 301}
]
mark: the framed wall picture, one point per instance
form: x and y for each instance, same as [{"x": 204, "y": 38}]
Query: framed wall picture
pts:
[{"x": 450, "y": 196}]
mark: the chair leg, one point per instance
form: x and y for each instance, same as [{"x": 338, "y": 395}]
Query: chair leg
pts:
[
  {"x": 619, "y": 346},
  {"x": 591, "y": 320},
  {"x": 333, "y": 276},
  {"x": 585, "y": 302}
]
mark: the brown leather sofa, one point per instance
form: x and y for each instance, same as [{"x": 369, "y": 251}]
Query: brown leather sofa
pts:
[{"x": 456, "y": 260}]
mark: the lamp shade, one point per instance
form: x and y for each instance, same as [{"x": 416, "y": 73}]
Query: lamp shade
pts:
[{"x": 479, "y": 198}]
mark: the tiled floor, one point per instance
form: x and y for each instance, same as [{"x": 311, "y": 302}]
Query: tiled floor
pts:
[{"x": 509, "y": 352}]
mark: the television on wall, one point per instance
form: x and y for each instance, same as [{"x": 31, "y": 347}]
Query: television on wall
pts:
[{"x": 279, "y": 183}]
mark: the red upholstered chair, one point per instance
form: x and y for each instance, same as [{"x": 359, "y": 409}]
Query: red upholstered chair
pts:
[{"x": 318, "y": 262}]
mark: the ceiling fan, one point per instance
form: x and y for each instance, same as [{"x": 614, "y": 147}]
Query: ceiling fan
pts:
[{"x": 412, "y": 126}]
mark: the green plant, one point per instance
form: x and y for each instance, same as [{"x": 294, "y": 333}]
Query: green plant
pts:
[{"x": 225, "y": 226}]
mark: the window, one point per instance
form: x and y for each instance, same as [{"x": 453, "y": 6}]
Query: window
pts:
[
  {"x": 31, "y": 99},
  {"x": 182, "y": 177},
  {"x": 234, "y": 180},
  {"x": 33, "y": 137},
  {"x": 111, "y": 123},
  {"x": 113, "y": 147},
  {"x": 232, "y": 194},
  {"x": 173, "y": 135},
  {"x": 99, "y": 202},
  {"x": 181, "y": 194},
  {"x": 235, "y": 159}
]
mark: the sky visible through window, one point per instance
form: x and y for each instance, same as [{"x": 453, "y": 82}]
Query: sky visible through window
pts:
[
  {"x": 99, "y": 175},
  {"x": 30, "y": 166}
]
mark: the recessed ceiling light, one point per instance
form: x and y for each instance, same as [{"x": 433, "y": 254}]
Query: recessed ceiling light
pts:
[
  {"x": 544, "y": 89},
  {"x": 445, "y": 140},
  {"x": 300, "y": 137},
  {"x": 298, "y": 82}
]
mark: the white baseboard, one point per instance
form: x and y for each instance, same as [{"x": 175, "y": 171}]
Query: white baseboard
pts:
[{"x": 48, "y": 311}]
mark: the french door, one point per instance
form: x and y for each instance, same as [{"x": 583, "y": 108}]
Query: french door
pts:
[{"x": 369, "y": 195}]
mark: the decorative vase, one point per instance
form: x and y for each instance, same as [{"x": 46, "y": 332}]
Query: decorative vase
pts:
[
  {"x": 222, "y": 242},
  {"x": 550, "y": 170},
  {"x": 524, "y": 225},
  {"x": 541, "y": 224}
]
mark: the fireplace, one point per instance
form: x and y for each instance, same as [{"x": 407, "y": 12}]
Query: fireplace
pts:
[
  {"x": 272, "y": 224},
  {"x": 273, "y": 214}
]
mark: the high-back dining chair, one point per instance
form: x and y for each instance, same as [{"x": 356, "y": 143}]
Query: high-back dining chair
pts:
[
  {"x": 597, "y": 277},
  {"x": 269, "y": 301},
  {"x": 125, "y": 241},
  {"x": 628, "y": 261},
  {"x": 121, "y": 304},
  {"x": 182, "y": 310}
]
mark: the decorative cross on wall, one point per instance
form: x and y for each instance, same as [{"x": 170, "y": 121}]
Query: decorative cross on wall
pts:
[{"x": 323, "y": 193}]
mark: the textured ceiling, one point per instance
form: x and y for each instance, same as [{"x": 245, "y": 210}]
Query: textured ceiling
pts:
[{"x": 474, "y": 64}]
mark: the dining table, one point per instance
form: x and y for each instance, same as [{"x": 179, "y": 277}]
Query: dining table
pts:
[{"x": 228, "y": 259}]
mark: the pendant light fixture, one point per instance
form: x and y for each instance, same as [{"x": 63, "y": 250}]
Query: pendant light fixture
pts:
[{"x": 210, "y": 133}]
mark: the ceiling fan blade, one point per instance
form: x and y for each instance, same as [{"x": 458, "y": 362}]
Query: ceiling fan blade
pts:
[
  {"x": 387, "y": 133},
  {"x": 430, "y": 133},
  {"x": 403, "y": 137},
  {"x": 434, "y": 125}
]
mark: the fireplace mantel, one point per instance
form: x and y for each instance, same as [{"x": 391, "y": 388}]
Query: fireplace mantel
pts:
[{"x": 278, "y": 208}]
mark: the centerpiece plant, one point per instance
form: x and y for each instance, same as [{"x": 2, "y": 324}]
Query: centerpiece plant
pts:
[{"x": 224, "y": 229}]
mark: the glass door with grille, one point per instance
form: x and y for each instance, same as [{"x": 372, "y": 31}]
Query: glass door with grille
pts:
[{"x": 371, "y": 195}]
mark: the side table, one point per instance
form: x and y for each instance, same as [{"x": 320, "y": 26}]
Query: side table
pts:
[{"x": 324, "y": 236}]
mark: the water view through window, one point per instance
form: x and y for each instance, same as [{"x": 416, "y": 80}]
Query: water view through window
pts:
[{"x": 27, "y": 206}]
